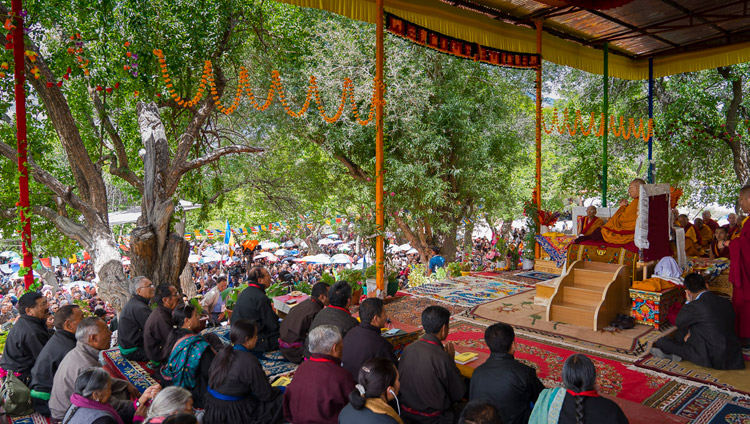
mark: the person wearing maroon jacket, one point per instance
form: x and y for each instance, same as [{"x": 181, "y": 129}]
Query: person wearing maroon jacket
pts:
[{"x": 321, "y": 386}]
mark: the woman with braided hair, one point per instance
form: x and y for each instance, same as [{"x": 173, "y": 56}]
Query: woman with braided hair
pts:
[{"x": 577, "y": 402}]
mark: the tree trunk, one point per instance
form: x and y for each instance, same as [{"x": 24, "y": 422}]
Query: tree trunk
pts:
[
  {"x": 105, "y": 256},
  {"x": 186, "y": 282},
  {"x": 158, "y": 253},
  {"x": 448, "y": 249},
  {"x": 416, "y": 241},
  {"x": 468, "y": 240}
]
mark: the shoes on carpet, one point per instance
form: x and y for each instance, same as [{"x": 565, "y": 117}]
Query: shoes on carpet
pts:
[
  {"x": 663, "y": 355},
  {"x": 623, "y": 322}
]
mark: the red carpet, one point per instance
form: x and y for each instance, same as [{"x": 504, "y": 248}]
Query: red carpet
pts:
[{"x": 614, "y": 378}]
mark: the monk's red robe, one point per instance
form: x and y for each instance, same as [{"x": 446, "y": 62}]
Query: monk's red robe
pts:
[
  {"x": 739, "y": 276},
  {"x": 587, "y": 226},
  {"x": 719, "y": 253},
  {"x": 713, "y": 225}
]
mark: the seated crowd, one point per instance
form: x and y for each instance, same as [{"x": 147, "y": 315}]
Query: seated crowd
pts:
[{"x": 348, "y": 372}]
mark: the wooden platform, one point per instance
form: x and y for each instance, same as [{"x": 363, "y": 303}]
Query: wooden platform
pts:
[{"x": 591, "y": 294}]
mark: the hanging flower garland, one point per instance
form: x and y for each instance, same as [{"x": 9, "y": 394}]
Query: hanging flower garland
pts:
[
  {"x": 275, "y": 91},
  {"x": 596, "y": 125}
]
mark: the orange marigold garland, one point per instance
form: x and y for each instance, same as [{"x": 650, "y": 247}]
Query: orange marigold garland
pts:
[
  {"x": 276, "y": 90},
  {"x": 565, "y": 127}
]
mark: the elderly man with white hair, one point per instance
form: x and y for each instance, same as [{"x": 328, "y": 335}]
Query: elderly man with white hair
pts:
[
  {"x": 133, "y": 317},
  {"x": 321, "y": 387},
  {"x": 92, "y": 336}
]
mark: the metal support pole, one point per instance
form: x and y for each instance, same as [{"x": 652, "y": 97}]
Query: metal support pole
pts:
[
  {"x": 606, "y": 129},
  {"x": 379, "y": 211},
  {"x": 537, "y": 250},
  {"x": 23, "y": 171},
  {"x": 650, "y": 116}
]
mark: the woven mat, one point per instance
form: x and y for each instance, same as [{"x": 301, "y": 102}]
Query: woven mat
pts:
[
  {"x": 734, "y": 380},
  {"x": 27, "y": 419},
  {"x": 408, "y": 310},
  {"x": 468, "y": 291}
]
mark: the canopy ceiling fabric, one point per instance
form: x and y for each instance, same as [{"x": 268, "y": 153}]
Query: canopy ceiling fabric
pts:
[{"x": 681, "y": 35}]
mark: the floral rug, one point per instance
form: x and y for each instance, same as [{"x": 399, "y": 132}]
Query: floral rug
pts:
[
  {"x": 613, "y": 377},
  {"x": 468, "y": 291},
  {"x": 521, "y": 312},
  {"x": 700, "y": 404},
  {"x": 27, "y": 419}
]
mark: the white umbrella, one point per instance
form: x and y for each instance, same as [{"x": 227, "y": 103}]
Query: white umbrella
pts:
[
  {"x": 345, "y": 247},
  {"x": 126, "y": 261},
  {"x": 194, "y": 259},
  {"x": 8, "y": 254},
  {"x": 15, "y": 276},
  {"x": 80, "y": 284},
  {"x": 412, "y": 251},
  {"x": 322, "y": 259},
  {"x": 288, "y": 243},
  {"x": 325, "y": 241},
  {"x": 333, "y": 236},
  {"x": 268, "y": 255},
  {"x": 404, "y": 247},
  {"x": 341, "y": 259},
  {"x": 269, "y": 245},
  {"x": 308, "y": 258}
]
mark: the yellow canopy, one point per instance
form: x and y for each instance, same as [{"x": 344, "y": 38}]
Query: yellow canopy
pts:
[{"x": 630, "y": 58}]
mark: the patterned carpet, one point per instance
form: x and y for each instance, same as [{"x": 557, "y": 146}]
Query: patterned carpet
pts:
[
  {"x": 470, "y": 290},
  {"x": 408, "y": 310},
  {"x": 613, "y": 377},
  {"x": 735, "y": 380},
  {"x": 700, "y": 404}
]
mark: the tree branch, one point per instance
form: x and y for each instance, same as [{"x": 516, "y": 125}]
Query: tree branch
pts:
[
  {"x": 218, "y": 154},
  {"x": 64, "y": 224},
  {"x": 120, "y": 167}
]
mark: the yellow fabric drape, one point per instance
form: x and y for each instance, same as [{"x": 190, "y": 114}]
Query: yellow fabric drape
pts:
[{"x": 476, "y": 28}]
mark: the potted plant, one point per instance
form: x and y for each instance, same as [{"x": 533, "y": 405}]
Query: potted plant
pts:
[
  {"x": 513, "y": 257},
  {"x": 354, "y": 278},
  {"x": 356, "y": 291},
  {"x": 454, "y": 268},
  {"x": 392, "y": 283},
  {"x": 369, "y": 277},
  {"x": 528, "y": 251},
  {"x": 303, "y": 287}
]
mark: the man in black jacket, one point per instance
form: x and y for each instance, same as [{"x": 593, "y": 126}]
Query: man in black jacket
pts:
[
  {"x": 27, "y": 337},
  {"x": 705, "y": 330},
  {"x": 159, "y": 325},
  {"x": 337, "y": 312},
  {"x": 253, "y": 304},
  {"x": 62, "y": 342},
  {"x": 296, "y": 325},
  {"x": 364, "y": 341},
  {"x": 509, "y": 385},
  {"x": 133, "y": 317},
  {"x": 431, "y": 384}
]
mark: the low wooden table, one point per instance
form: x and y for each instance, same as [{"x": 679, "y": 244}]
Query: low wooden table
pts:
[
  {"x": 409, "y": 335},
  {"x": 281, "y": 305},
  {"x": 651, "y": 308}
]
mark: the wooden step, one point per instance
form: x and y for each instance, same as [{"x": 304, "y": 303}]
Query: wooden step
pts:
[
  {"x": 571, "y": 313},
  {"x": 598, "y": 266},
  {"x": 590, "y": 277},
  {"x": 580, "y": 296}
]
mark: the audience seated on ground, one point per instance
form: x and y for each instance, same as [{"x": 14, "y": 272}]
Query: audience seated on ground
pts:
[
  {"x": 321, "y": 386},
  {"x": 296, "y": 324},
  {"x": 430, "y": 381},
  {"x": 705, "y": 330},
  {"x": 337, "y": 312},
  {"x": 90, "y": 400},
  {"x": 133, "y": 317},
  {"x": 62, "y": 342},
  {"x": 238, "y": 387},
  {"x": 480, "y": 412},
  {"x": 509, "y": 385},
  {"x": 254, "y": 305},
  {"x": 191, "y": 354},
  {"x": 170, "y": 401},
  {"x": 369, "y": 403},
  {"x": 693, "y": 241},
  {"x": 27, "y": 337},
  {"x": 92, "y": 336},
  {"x": 159, "y": 326},
  {"x": 720, "y": 245},
  {"x": 365, "y": 341},
  {"x": 577, "y": 402},
  {"x": 588, "y": 223}
]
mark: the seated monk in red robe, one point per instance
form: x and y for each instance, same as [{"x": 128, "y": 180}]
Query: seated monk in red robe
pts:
[
  {"x": 707, "y": 236},
  {"x": 588, "y": 223},
  {"x": 693, "y": 239},
  {"x": 720, "y": 246},
  {"x": 713, "y": 225}
]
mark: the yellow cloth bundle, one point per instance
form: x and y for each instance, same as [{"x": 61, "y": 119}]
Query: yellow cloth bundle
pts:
[{"x": 653, "y": 284}]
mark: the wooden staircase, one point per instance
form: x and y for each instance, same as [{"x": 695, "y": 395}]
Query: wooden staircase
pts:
[{"x": 591, "y": 294}]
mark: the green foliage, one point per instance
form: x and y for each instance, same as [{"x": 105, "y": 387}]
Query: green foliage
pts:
[
  {"x": 371, "y": 272},
  {"x": 328, "y": 278},
  {"x": 304, "y": 287},
  {"x": 276, "y": 289},
  {"x": 454, "y": 268},
  {"x": 351, "y": 276},
  {"x": 231, "y": 298},
  {"x": 84, "y": 307},
  {"x": 195, "y": 303}
]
